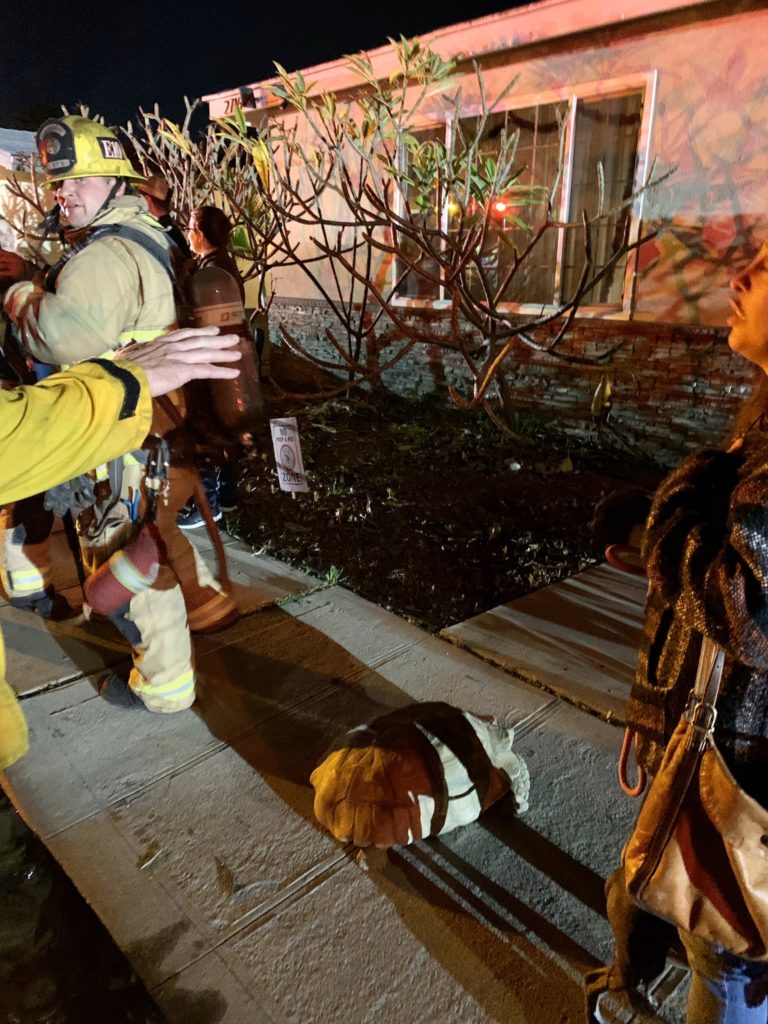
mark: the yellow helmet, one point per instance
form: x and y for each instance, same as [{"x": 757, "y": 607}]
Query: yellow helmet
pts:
[{"x": 75, "y": 147}]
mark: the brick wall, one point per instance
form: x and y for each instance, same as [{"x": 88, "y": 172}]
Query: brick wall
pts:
[{"x": 674, "y": 387}]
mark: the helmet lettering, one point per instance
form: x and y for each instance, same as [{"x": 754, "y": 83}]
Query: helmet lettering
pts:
[{"x": 111, "y": 149}]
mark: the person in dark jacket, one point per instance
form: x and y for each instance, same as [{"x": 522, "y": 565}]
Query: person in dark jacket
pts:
[
  {"x": 157, "y": 196},
  {"x": 706, "y": 556},
  {"x": 208, "y": 235}
]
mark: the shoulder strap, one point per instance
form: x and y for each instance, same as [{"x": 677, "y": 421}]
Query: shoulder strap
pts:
[
  {"x": 126, "y": 232},
  {"x": 141, "y": 238},
  {"x": 710, "y": 672},
  {"x": 701, "y": 712}
]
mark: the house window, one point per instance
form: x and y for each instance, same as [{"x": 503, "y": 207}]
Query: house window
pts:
[
  {"x": 600, "y": 137},
  {"x": 605, "y": 135},
  {"x": 538, "y": 154}
]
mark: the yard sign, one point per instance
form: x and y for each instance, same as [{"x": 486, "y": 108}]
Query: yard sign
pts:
[{"x": 290, "y": 467}]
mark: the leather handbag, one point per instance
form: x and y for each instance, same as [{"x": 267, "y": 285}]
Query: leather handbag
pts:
[{"x": 698, "y": 854}]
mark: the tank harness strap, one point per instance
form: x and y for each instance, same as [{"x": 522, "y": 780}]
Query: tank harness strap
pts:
[{"x": 125, "y": 232}]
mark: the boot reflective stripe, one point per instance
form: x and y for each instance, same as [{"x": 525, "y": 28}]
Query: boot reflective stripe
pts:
[
  {"x": 463, "y": 801},
  {"x": 25, "y": 581},
  {"x": 125, "y": 572},
  {"x": 175, "y": 689}
]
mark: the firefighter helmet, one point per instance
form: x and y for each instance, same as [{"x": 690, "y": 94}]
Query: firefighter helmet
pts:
[
  {"x": 419, "y": 771},
  {"x": 76, "y": 147},
  {"x": 157, "y": 187}
]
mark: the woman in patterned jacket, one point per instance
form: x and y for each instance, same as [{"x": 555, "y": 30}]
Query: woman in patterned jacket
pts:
[{"x": 706, "y": 555}]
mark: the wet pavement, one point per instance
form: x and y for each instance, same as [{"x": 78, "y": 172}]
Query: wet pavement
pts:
[
  {"x": 192, "y": 835},
  {"x": 58, "y": 964}
]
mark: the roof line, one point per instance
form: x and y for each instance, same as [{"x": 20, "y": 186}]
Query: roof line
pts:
[{"x": 517, "y": 27}]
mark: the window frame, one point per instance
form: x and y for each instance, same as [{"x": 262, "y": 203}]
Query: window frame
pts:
[{"x": 645, "y": 82}]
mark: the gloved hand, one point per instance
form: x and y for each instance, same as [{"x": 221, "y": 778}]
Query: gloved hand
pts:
[
  {"x": 17, "y": 297},
  {"x": 191, "y": 353}
]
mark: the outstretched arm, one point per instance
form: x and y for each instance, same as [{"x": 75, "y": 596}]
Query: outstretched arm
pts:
[{"x": 74, "y": 420}]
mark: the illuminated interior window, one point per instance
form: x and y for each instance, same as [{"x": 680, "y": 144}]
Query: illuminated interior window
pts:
[{"x": 598, "y": 137}]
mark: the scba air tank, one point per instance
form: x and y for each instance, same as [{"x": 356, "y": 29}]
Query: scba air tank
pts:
[{"x": 239, "y": 404}]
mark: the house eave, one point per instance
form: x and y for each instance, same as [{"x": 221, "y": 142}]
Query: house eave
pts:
[{"x": 545, "y": 21}]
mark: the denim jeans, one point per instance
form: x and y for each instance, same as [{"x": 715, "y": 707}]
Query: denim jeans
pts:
[
  {"x": 220, "y": 484},
  {"x": 210, "y": 481},
  {"x": 724, "y": 988}
]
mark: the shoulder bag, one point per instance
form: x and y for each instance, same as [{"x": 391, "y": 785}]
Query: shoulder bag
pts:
[{"x": 698, "y": 854}]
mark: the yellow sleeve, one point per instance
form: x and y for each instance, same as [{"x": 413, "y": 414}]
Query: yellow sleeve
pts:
[
  {"x": 14, "y": 738},
  {"x": 69, "y": 423},
  {"x": 50, "y": 432},
  {"x": 97, "y": 294}
]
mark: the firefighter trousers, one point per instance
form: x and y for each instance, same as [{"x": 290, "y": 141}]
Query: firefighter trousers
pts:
[
  {"x": 25, "y": 552},
  {"x": 157, "y": 621}
]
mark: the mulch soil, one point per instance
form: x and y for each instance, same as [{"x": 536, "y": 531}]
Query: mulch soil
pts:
[{"x": 429, "y": 511}]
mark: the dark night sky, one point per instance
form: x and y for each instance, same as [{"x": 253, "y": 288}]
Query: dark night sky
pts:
[{"x": 116, "y": 57}]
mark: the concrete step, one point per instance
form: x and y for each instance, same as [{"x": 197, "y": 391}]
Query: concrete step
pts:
[{"x": 578, "y": 638}]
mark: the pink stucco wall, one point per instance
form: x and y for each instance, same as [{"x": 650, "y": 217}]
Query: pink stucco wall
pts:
[{"x": 710, "y": 123}]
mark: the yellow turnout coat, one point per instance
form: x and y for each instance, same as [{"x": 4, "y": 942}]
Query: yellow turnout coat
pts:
[{"x": 52, "y": 432}]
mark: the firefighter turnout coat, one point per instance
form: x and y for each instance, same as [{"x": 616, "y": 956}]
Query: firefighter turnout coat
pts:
[
  {"x": 71, "y": 421},
  {"x": 108, "y": 292}
]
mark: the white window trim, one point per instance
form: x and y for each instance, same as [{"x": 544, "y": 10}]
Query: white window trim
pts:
[{"x": 647, "y": 82}]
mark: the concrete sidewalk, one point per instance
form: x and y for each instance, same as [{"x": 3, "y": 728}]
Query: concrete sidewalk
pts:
[{"x": 192, "y": 835}]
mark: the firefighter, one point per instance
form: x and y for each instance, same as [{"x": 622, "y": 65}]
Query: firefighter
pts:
[
  {"x": 157, "y": 195},
  {"x": 113, "y": 284},
  {"x": 97, "y": 410}
]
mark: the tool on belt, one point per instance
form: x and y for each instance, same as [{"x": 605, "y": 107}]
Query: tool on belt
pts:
[
  {"x": 201, "y": 498},
  {"x": 135, "y": 567}
]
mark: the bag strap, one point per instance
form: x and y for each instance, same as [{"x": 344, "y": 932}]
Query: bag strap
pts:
[
  {"x": 700, "y": 717},
  {"x": 630, "y": 739},
  {"x": 700, "y": 712},
  {"x": 710, "y": 671}
]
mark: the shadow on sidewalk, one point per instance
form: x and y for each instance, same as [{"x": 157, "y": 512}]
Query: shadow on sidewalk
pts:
[{"x": 280, "y": 692}]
